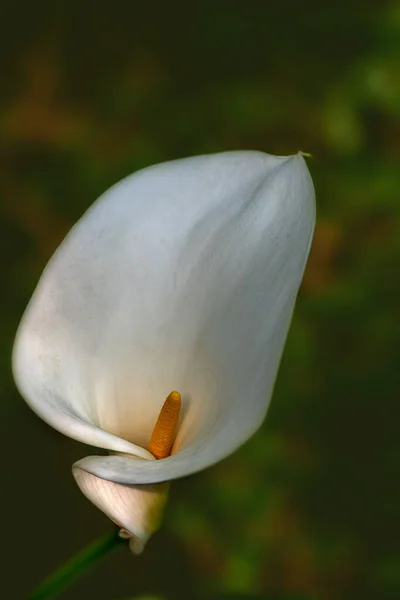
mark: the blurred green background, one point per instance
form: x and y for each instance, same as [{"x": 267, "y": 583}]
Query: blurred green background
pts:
[{"x": 91, "y": 91}]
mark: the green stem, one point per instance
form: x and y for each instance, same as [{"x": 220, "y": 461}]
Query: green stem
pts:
[{"x": 55, "y": 583}]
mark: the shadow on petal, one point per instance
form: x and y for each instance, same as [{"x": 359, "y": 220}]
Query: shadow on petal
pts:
[{"x": 137, "y": 509}]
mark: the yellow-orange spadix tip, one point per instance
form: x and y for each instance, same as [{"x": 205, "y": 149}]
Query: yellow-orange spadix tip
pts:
[{"x": 164, "y": 432}]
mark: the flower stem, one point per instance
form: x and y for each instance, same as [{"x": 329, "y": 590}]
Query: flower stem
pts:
[{"x": 55, "y": 583}]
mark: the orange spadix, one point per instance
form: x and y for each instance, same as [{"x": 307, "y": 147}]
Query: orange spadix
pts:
[{"x": 164, "y": 432}]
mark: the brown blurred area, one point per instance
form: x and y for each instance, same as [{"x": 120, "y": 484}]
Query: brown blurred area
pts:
[{"x": 90, "y": 92}]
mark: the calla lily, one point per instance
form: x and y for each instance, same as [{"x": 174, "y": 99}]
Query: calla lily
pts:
[{"x": 182, "y": 277}]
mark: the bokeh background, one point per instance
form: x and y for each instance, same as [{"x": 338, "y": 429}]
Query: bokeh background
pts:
[{"x": 91, "y": 91}]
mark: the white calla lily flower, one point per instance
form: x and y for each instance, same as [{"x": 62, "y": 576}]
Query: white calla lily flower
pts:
[{"x": 183, "y": 277}]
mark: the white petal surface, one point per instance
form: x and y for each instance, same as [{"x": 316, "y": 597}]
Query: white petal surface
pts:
[
  {"x": 137, "y": 509},
  {"x": 183, "y": 276}
]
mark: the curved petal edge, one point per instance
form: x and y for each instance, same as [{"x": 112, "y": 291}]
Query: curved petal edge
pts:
[{"x": 136, "y": 509}]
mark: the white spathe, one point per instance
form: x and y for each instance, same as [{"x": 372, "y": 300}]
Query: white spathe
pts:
[{"x": 182, "y": 277}]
